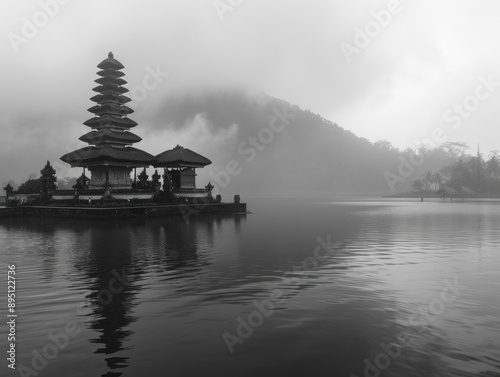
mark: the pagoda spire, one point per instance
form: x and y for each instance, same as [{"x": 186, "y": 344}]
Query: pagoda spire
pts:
[
  {"x": 110, "y": 156},
  {"x": 111, "y": 122}
]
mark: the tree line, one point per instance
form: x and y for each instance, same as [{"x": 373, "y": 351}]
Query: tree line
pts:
[{"x": 474, "y": 172}]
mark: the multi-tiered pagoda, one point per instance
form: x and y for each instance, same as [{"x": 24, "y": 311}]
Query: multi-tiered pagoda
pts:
[{"x": 110, "y": 156}]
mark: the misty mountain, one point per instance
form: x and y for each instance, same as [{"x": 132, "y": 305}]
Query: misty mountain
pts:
[
  {"x": 264, "y": 145},
  {"x": 305, "y": 153}
]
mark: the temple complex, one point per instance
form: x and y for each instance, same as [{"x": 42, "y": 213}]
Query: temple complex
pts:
[{"x": 109, "y": 191}]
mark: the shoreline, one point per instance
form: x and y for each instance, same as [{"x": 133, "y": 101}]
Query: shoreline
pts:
[{"x": 428, "y": 195}]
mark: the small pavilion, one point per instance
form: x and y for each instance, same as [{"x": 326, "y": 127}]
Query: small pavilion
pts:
[{"x": 179, "y": 166}]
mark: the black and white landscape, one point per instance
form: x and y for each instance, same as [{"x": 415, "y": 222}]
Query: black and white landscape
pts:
[{"x": 360, "y": 137}]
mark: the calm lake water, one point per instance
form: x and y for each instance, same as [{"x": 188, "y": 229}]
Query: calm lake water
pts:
[{"x": 389, "y": 288}]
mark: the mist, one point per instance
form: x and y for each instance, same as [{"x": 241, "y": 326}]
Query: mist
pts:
[{"x": 425, "y": 59}]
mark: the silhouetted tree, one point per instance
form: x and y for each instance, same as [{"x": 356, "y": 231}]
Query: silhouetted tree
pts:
[
  {"x": 31, "y": 186},
  {"x": 428, "y": 180},
  {"x": 168, "y": 187},
  {"x": 155, "y": 179},
  {"x": 418, "y": 185},
  {"x": 48, "y": 179},
  {"x": 459, "y": 174},
  {"x": 438, "y": 180},
  {"x": 493, "y": 167},
  {"x": 143, "y": 182}
]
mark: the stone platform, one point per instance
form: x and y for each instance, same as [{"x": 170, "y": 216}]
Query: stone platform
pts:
[{"x": 122, "y": 211}]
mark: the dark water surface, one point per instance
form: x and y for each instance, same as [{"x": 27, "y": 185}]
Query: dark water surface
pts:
[{"x": 345, "y": 287}]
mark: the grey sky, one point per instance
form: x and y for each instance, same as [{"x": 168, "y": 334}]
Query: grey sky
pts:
[{"x": 430, "y": 56}]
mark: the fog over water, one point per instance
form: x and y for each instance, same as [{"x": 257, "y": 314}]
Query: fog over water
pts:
[{"x": 423, "y": 59}]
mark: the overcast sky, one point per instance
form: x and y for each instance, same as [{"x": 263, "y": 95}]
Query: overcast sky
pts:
[{"x": 396, "y": 83}]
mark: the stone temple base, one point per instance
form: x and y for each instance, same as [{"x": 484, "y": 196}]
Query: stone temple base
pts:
[{"x": 187, "y": 211}]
